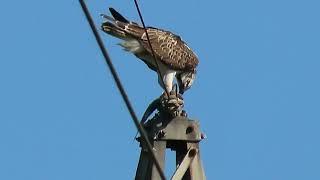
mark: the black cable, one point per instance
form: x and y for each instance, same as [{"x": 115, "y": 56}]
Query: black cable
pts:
[
  {"x": 121, "y": 89},
  {"x": 152, "y": 51}
]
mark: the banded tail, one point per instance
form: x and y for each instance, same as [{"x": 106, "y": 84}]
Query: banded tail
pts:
[{"x": 120, "y": 27}]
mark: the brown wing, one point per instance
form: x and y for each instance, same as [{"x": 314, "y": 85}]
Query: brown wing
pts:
[{"x": 170, "y": 49}]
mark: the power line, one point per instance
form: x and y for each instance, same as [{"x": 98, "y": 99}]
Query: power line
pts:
[
  {"x": 152, "y": 51},
  {"x": 121, "y": 89}
]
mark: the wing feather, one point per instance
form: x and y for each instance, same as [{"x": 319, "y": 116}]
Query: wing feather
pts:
[{"x": 170, "y": 49}]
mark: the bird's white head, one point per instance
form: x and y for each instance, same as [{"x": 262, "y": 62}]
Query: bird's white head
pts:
[{"x": 185, "y": 80}]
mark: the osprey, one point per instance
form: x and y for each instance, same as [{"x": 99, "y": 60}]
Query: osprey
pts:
[{"x": 174, "y": 57}]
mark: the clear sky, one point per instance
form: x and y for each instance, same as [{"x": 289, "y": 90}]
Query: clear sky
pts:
[{"x": 256, "y": 93}]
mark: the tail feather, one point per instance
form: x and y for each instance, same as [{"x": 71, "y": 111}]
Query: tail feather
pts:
[
  {"x": 118, "y": 16},
  {"x": 113, "y": 30},
  {"x": 107, "y": 17},
  {"x": 120, "y": 27}
]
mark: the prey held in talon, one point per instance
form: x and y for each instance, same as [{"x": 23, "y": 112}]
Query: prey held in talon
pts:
[{"x": 174, "y": 57}]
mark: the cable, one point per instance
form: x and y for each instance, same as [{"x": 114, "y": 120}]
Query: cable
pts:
[
  {"x": 121, "y": 89},
  {"x": 152, "y": 51}
]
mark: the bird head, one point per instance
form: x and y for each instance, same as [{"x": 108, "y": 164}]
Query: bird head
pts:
[{"x": 185, "y": 80}]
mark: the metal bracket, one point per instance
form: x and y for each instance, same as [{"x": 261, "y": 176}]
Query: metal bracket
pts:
[
  {"x": 183, "y": 167},
  {"x": 179, "y": 134}
]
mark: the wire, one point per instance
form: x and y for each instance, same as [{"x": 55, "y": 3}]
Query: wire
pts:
[
  {"x": 152, "y": 51},
  {"x": 121, "y": 89}
]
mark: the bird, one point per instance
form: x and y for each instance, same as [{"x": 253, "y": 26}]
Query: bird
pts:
[{"x": 174, "y": 57}]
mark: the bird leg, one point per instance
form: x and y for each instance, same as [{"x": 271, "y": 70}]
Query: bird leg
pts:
[{"x": 166, "y": 81}]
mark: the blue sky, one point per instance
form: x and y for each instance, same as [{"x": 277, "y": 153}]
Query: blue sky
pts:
[{"x": 256, "y": 93}]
